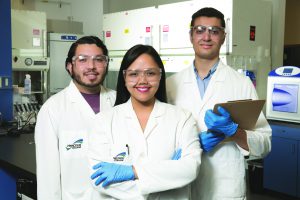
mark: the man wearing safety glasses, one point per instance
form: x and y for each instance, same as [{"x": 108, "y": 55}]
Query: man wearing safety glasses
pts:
[
  {"x": 198, "y": 88},
  {"x": 64, "y": 120}
]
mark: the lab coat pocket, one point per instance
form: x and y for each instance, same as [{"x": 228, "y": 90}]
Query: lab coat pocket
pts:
[
  {"x": 99, "y": 146},
  {"x": 73, "y": 144}
]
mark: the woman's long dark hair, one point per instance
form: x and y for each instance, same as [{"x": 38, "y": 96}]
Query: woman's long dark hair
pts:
[{"x": 131, "y": 55}]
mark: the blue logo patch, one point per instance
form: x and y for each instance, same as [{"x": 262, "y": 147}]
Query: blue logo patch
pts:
[
  {"x": 76, "y": 145},
  {"x": 120, "y": 156}
]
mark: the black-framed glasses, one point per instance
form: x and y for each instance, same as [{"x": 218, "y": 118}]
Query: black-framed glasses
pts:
[
  {"x": 99, "y": 60},
  {"x": 212, "y": 30}
]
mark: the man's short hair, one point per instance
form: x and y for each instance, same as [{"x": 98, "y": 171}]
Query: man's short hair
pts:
[
  {"x": 85, "y": 40},
  {"x": 208, "y": 12}
]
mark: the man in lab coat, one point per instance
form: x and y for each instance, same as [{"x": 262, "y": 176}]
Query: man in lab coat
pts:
[
  {"x": 198, "y": 88},
  {"x": 63, "y": 121}
]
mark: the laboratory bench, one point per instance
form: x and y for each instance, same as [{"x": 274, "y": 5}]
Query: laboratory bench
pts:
[
  {"x": 282, "y": 165},
  {"x": 17, "y": 166}
]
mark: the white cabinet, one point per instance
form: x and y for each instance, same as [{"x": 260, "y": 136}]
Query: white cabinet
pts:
[
  {"x": 125, "y": 29},
  {"x": 58, "y": 47},
  {"x": 28, "y": 33}
]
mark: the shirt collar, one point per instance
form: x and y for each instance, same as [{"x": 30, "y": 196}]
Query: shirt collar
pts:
[{"x": 211, "y": 71}]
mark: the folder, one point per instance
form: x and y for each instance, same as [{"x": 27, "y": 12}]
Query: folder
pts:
[{"x": 243, "y": 112}]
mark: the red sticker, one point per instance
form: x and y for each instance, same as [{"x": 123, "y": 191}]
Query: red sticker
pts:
[
  {"x": 166, "y": 28},
  {"x": 36, "y": 32},
  {"x": 108, "y": 34},
  {"x": 148, "y": 29}
]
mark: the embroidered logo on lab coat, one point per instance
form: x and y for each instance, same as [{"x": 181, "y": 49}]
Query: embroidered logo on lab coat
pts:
[
  {"x": 76, "y": 145},
  {"x": 120, "y": 157}
]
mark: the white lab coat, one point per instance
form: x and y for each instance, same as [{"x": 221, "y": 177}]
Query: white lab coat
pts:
[
  {"x": 150, "y": 152},
  {"x": 61, "y": 138},
  {"x": 222, "y": 172}
]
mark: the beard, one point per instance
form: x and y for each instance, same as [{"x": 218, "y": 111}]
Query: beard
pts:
[{"x": 77, "y": 79}]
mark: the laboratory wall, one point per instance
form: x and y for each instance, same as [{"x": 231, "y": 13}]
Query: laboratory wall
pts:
[
  {"x": 92, "y": 23},
  {"x": 88, "y": 12},
  {"x": 111, "y": 6},
  {"x": 278, "y": 24},
  {"x": 21, "y": 5}
]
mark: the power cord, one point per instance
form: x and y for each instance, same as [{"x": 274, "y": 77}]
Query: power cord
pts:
[{"x": 26, "y": 128}]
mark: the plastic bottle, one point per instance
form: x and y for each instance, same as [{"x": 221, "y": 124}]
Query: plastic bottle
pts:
[{"x": 27, "y": 84}]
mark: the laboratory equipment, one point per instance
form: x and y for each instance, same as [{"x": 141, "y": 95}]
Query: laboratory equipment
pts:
[
  {"x": 283, "y": 94},
  {"x": 58, "y": 47},
  {"x": 247, "y": 35},
  {"x": 29, "y": 58}
]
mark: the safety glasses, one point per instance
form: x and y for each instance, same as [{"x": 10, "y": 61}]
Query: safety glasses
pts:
[
  {"x": 83, "y": 60},
  {"x": 151, "y": 75},
  {"x": 212, "y": 30}
]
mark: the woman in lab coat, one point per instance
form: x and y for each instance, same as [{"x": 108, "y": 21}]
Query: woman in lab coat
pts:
[{"x": 143, "y": 148}]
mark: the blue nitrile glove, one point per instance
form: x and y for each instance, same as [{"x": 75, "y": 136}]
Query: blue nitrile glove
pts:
[
  {"x": 209, "y": 140},
  {"x": 220, "y": 123},
  {"x": 177, "y": 154},
  {"x": 109, "y": 173}
]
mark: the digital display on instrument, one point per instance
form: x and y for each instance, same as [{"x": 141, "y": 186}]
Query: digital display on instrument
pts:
[
  {"x": 39, "y": 62},
  {"x": 287, "y": 70}
]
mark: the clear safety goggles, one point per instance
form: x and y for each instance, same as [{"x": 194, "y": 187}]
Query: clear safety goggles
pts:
[
  {"x": 83, "y": 60},
  {"x": 212, "y": 30},
  {"x": 151, "y": 75}
]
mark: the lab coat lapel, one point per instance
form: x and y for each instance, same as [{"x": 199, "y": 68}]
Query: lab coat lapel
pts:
[
  {"x": 191, "y": 87},
  {"x": 131, "y": 118},
  {"x": 214, "y": 84},
  {"x": 133, "y": 122},
  {"x": 153, "y": 120},
  {"x": 78, "y": 100},
  {"x": 106, "y": 101}
]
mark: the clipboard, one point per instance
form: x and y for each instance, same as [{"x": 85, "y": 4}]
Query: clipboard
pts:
[{"x": 243, "y": 112}]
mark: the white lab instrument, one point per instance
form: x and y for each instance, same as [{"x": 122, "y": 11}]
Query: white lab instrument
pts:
[
  {"x": 29, "y": 30},
  {"x": 29, "y": 43},
  {"x": 58, "y": 47},
  {"x": 283, "y": 94},
  {"x": 29, "y": 56}
]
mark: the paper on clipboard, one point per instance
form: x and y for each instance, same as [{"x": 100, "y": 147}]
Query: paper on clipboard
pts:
[{"x": 243, "y": 112}]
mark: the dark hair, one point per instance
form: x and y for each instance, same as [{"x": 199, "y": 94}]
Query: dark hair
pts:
[
  {"x": 208, "y": 12},
  {"x": 131, "y": 55},
  {"x": 85, "y": 40}
]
